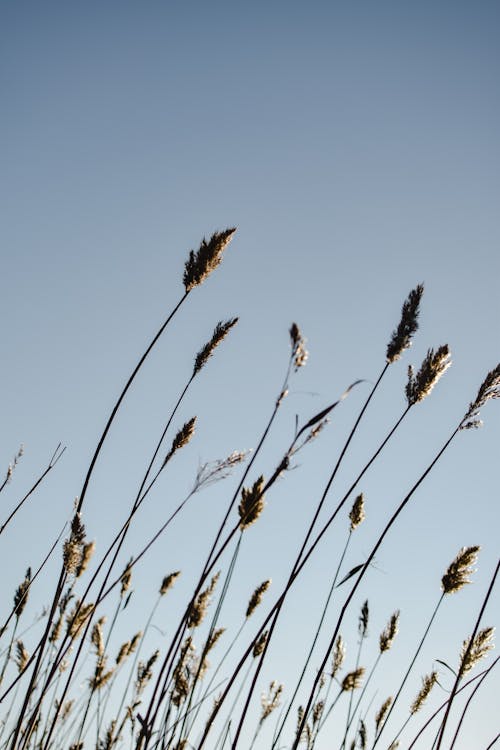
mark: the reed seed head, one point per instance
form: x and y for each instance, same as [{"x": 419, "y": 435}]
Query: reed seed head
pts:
[
  {"x": 362, "y": 735},
  {"x": 126, "y": 578},
  {"x": 73, "y": 547},
  {"x": 458, "y": 572},
  {"x": 145, "y": 672},
  {"x": 200, "y": 605},
  {"x": 22, "y": 657},
  {"x": 256, "y": 597},
  {"x": 21, "y": 594},
  {"x": 489, "y": 389},
  {"x": 299, "y": 352},
  {"x": 473, "y": 652},
  {"x": 216, "y": 470},
  {"x": 353, "y": 680},
  {"x": 432, "y": 369},
  {"x": 168, "y": 582},
  {"x": 86, "y": 556},
  {"x": 202, "y": 262},
  {"x": 338, "y": 655},
  {"x": 357, "y": 514},
  {"x": 181, "y": 439},
  {"x": 252, "y": 503},
  {"x": 428, "y": 683},
  {"x": 389, "y": 633},
  {"x": 317, "y": 712},
  {"x": 382, "y": 713},
  {"x": 271, "y": 700},
  {"x": 97, "y": 636},
  {"x": 260, "y": 644},
  {"x": 77, "y": 619},
  {"x": 408, "y": 325},
  {"x": 220, "y": 332}
]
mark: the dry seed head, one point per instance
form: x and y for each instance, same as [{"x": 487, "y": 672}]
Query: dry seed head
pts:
[
  {"x": 362, "y": 737},
  {"x": 299, "y": 352},
  {"x": 76, "y": 620},
  {"x": 357, "y": 514},
  {"x": 126, "y": 578},
  {"x": 251, "y": 504},
  {"x": 168, "y": 582},
  {"x": 428, "y": 683},
  {"x": 363, "y": 620},
  {"x": 256, "y": 597},
  {"x": 135, "y": 642},
  {"x": 490, "y": 388},
  {"x": 353, "y": 680},
  {"x": 183, "y": 672},
  {"x": 260, "y": 644},
  {"x": 86, "y": 555},
  {"x": 66, "y": 710},
  {"x": 97, "y": 637},
  {"x": 382, "y": 713},
  {"x": 408, "y": 325},
  {"x": 317, "y": 712},
  {"x": 457, "y": 574},
  {"x": 21, "y": 594},
  {"x": 216, "y": 470},
  {"x": 122, "y": 653},
  {"x": 145, "y": 672},
  {"x": 471, "y": 654},
  {"x": 220, "y": 332},
  {"x": 181, "y": 439},
  {"x": 201, "y": 263},
  {"x": 100, "y": 677},
  {"x": 271, "y": 701},
  {"x": 431, "y": 370},
  {"x": 394, "y": 745},
  {"x": 389, "y": 632},
  {"x": 338, "y": 655},
  {"x": 22, "y": 656},
  {"x": 73, "y": 547},
  {"x": 200, "y": 605}
]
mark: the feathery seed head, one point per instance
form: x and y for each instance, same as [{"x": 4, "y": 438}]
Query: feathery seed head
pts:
[
  {"x": 362, "y": 735},
  {"x": 220, "y": 332},
  {"x": 408, "y": 325},
  {"x": 145, "y": 672},
  {"x": 251, "y": 504},
  {"x": 126, "y": 578},
  {"x": 270, "y": 701},
  {"x": 73, "y": 547},
  {"x": 433, "y": 367},
  {"x": 21, "y": 594},
  {"x": 389, "y": 632},
  {"x": 458, "y": 572},
  {"x": 181, "y": 439},
  {"x": 353, "y": 680},
  {"x": 260, "y": 644},
  {"x": 473, "y": 652},
  {"x": 382, "y": 713},
  {"x": 489, "y": 389},
  {"x": 77, "y": 619},
  {"x": 428, "y": 683},
  {"x": 338, "y": 655},
  {"x": 86, "y": 555},
  {"x": 256, "y": 597},
  {"x": 22, "y": 657},
  {"x": 357, "y": 514},
  {"x": 168, "y": 582},
  {"x": 200, "y": 605},
  {"x": 202, "y": 262},
  {"x": 299, "y": 353}
]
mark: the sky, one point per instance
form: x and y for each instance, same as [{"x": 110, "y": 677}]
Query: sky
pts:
[{"x": 355, "y": 148}]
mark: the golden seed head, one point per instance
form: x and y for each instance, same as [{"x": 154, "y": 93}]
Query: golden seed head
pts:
[
  {"x": 77, "y": 619},
  {"x": 86, "y": 555},
  {"x": 122, "y": 653},
  {"x": 201, "y": 263},
  {"x": 22, "y": 656},
  {"x": 299, "y": 353},
  {"x": 256, "y": 597},
  {"x": 428, "y": 683},
  {"x": 97, "y": 636},
  {"x": 260, "y": 644},
  {"x": 353, "y": 680},
  {"x": 21, "y": 594},
  {"x": 271, "y": 700},
  {"x": 472, "y": 653},
  {"x": 200, "y": 605},
  {"x": 220, "y": 332},
  {"x": 489, "y": 389},
  {"x": 126, "y": 578},
  {"x": 134, "y": 642},
  {"x": 458, "y": 572},
  {"x": 389, "y": 632},
  {"x": 317, "y": 712},
  {"x": 168, "y": 582},
  {"x": 432, "y": 369},
  {"x": 408, "y": 325},
  {"x": 252, "y": 503},
  {"x": 73, "y": 547},
  {"x": 357, "y": 514},
  {"x": 382, "y": 713},
  {"x": 181, "y": 439},
  {"x": 362, "y": 735},
  {"x": 338, "y": 655},
  {"x": 145, "y": 672}
]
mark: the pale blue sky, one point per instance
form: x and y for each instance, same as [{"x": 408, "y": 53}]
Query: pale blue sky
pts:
[{"x": 355, "y": 146}]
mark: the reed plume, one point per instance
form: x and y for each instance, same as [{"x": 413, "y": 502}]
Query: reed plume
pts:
[
  {"x": 256, "y": 597},
  {"x": 489, "y": 389},
  {"x": 181, "y": 439},
  {"x": 432, "y": 369},
  {"x": 21, "y": 594},
  {"x": 252, "y": 503},
  {"x": 428, "y": 683},
  {"x": 382, "y": 713},
  {"x": 473, "y": 652},
  {"x": 220, "y": 332},
  {"x": 458, "y": 572},
  {"x": 299, "y": 352},
  {"x": 202, "y": 262},
  {"x": 168, "y": 582},
  {"x": 389, "y": 633},
  {"x": 338, "y": 655},
  {"x": 357, "y": 513},
  {"x": 353, "y": 680},
  {"x": 408, "y": 325}
]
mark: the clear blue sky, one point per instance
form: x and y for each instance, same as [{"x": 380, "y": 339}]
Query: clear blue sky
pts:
[{"x": 355, "y": 146}]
